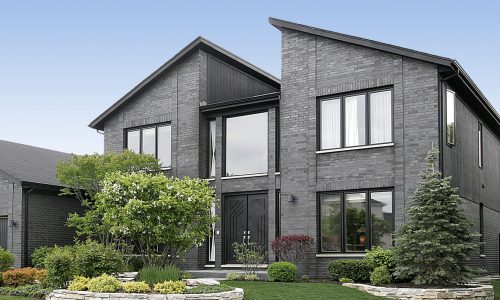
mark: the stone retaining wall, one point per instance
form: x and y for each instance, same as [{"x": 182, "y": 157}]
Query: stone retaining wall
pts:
[
  {"x": 483, "y": 292},
  {"x": 237, "y": 294}
]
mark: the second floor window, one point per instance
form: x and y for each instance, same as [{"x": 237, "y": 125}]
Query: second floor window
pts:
[
  {"x": 154, "y": 140},
  {"x": 356, "y": 120},
  {"x": 480, "y": 144},
  {"x": 450, "y": 117}
]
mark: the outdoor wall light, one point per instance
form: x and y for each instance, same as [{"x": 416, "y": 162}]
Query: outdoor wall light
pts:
[
  {"x": 291, "y": 198},
  {"x": 12, "y": 223}
]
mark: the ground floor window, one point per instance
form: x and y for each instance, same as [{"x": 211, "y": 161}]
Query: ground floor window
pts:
[{"x": 355, "y": 221}]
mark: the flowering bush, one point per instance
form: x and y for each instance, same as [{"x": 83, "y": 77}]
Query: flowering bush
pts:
[
  {"x": 79, "y": 283},
  {"x": 170, "y": 287},
  {"x": 292, "y": 248},
  {"x": 136, "y": 287},
  {"x": 104, "y": 284}
]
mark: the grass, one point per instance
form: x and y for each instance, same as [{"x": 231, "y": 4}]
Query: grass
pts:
[
  {"x": 153, "y": 275},
  {"x": 2, "y": 297},
  {"x": 290, "y": 291},
  {"x": 496, "y": 288}
]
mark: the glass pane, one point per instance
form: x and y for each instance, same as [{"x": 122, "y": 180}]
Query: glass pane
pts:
[
  {"x": 164, "y": 145},
  {"x": 480, "y": 144},
  {"x": 382, "y": 219},
  {"x": 450, "y": 117},
  {"x": 331, "y": 222},
  {"x": 246, "y": 144},
  {"x": 330, "y": 124},
  {"x": 211, "y": 150},
  {"x": 380, "y": 117},
  {"x": 134, "y": 141},
  {"x": 355, "y": 134},
  {"x": 149, "y": 141},
  {"x": 355, "y": 222}
]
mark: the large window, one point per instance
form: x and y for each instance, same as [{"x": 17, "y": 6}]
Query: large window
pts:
[
  {"x": 356, "y": 120},
  {"x": 450, "y": 117},
  {"x": 154, "y": 140},
  {"x": 246, "y": 144},
  {"x": 355, "y": 221}
]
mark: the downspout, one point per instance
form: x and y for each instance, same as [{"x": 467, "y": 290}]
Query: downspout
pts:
[
  {"x": 26, "y": 198},
  {"x": 12, "y": 217}
]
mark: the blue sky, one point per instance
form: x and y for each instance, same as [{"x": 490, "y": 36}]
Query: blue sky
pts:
[{"x": 64, "y": 62}]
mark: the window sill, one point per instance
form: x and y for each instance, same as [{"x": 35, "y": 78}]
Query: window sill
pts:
[
  {"x": 166, "y": 168},
  {"x": 326, "y": 255},
  {"x": 210, "y": 179},
  {"x": 355, "y": 148},
  {"x": 245, "y": 176}
]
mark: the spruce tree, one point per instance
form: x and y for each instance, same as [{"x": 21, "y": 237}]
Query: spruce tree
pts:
[{"x": 433, "y": 248}]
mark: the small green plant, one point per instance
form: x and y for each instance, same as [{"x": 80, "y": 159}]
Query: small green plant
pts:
[
  {"x": 186, "y": 275},
  {"x": 60, "y": 267},
  {"x": 357, "y": 270},
  {"x": 379, "y": 256},
  {"x": 38, "y": 256},
  {"x": 282, "y": 271},
  {"x": 154, "y": 275},
  {"x": 170, "y": 287},
  {"x": 234, "y": 276},
  {"x": 33, "y": 291},
  {"x": 345, "y": 280},
  {"x": 208, "y": 289},
  {"x": 250, "y": 277},
  {"x": 380, "y": 276},
  {"x": 6, "y": 260},
  {"x": 136, "y": 287},
  {"x": 134, "y": 264},
  {"x": 250, "y": 255},
  {"x": 93, "y": 259},
  {"x": 79, "y": 283},
  {"x": 104, "y": 284}
]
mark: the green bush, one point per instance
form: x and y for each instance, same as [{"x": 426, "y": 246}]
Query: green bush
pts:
[
  {"x": 38, "y": 256},
  {"x": 136, "y": 287},
  {"x": 282, "y": 271},
  {"x": 104, "y": 284},
  {"x": 357, "y": 270},
  {"x": 33, "y": 291},
  {"x": 170, "y": 287},
  {"x": 60, "y": 267},
  {"x": 154, "y": 275},
  {"x": 79, "y": 283},
  {"x": 379, "y": 256},
  {"x": 208, "y": 289},
  {"x": 345, "y": 280},
  {"x": 135, "y": 264},
  {"x": 6, "y": 260},
  {"x": 186, "y": 275},
  {"x": 380, "y": 276},
  {"x": 93, "y": 259},
  {"x": 235, "y": 276}
]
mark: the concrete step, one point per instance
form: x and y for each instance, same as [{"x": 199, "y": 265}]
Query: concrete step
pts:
[{"x": 221, "y": 274}]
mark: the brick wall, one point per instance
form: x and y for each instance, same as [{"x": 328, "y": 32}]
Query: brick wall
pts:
[{"x": 11, "y": 206}]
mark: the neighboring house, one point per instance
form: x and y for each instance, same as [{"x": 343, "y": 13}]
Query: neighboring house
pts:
[
  {"x": 333, "y": 150},
  {"x": 31, "y": 212}
]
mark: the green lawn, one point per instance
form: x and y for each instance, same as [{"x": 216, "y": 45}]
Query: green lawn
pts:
[
  {"x": 290, "y": 291},
  {"x": 496, "y": 288},
  {"x": 2, "y": 297}
]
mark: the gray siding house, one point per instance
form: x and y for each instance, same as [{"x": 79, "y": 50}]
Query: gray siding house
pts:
[
  {"x": 31, "y": 212},
  {"x": 333, "y": 150}
]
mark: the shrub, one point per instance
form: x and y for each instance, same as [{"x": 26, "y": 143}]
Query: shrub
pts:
[
  {"x": 104, "y": 284},
  {"x": 136, "y": 287},
  {"x": 38, "y": 256},
  {"x": 250, "y": 255},
  {"x": 79, "y": 283},
  {"x": 250, "y": 277},
  {"x": 17, "y": 277},
  {"x": 208, "y": 289},
  {"x": 292, "y": 248},
  {"x": 60, "y": 268},
  {"x": 282, "y": 271},
  {"x": 6, "y": 259},
  {"x": 93, "y": 259},
  {"x": 380, "y": 276},
  {"x": 379, "y": 256},
  {"x": 345, "y": 280},
  {"x": 234, "y": 276},
  {"x": 40, "y": 276},
  {"x": 170, "y": 287},
  {"x": 135, "y": 264},
  {"x": 33, "y": 291},
  {"x": 186, "y": 275},
  {"x": 357, "y": 270},
  {"x": 154, "y": 275}
]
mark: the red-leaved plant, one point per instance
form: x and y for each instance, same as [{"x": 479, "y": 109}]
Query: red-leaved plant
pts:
[{"x": 292, "y": 248}]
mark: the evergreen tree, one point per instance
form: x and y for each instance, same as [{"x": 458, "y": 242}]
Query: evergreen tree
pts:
[{"x": 434, "y": 247}]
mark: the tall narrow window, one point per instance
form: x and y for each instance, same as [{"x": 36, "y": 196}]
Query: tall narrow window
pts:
[
  {"x": 380, "y": 117},
  {"x": 149, "y": 141},
  {"x": 164, "y": 145},
  {"x": 355, "y": 129},
  {"x": 450, "y": 117},
  {"x": 481, "y": 227},
  {"x": 480, "y": 144},
  {"x": 330, "y": 123},
  {"x": 212, "y": 150},
  {"x": 331, "y": 223},
  {"x": 382, "y": 216},
  {"x": 134, "y": 141},
  {"x": 355, "y": 222},
  {"x": 154, "y": 140}
]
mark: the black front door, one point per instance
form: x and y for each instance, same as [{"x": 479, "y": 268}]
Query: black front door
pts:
[{"x": 244, "y": 222}]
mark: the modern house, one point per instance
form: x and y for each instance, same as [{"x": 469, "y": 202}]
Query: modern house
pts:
[
  {"x": 333, "y": 150},
  {"x": 31, "y": 212}
]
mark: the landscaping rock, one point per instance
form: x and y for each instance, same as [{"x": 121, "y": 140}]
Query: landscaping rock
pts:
[{"x": 200, "y": 281}]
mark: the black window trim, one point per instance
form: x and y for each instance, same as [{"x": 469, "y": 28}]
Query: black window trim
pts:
[
  {"x": 342, "y": 96},
  {"x": 140, "y": 129},
  {"x": 342, "y": 193}
]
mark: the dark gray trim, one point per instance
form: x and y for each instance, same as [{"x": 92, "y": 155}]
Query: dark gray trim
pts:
[{"x": 266, "y": 98}]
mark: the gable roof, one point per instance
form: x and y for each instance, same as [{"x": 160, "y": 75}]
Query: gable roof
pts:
[
  {"x": 198, "y": 43},
  {"x": 452, "y": 64},
  {"x": 30, "y": 164}
]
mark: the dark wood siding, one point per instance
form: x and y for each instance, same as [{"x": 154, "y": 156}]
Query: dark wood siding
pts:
[{"x": 225, "y": 82}]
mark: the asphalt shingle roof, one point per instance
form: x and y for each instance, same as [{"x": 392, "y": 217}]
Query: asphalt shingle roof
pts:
[{"x": 30, "y": 164}]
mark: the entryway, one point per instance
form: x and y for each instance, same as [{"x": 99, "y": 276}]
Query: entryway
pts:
[{"x": 245, "y": 221}]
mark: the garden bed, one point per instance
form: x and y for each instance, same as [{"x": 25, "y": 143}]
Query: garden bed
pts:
[
  {"x": 482, "y": 292},
  {"x": 236, "y": 294}
]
